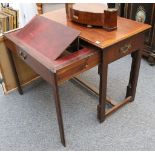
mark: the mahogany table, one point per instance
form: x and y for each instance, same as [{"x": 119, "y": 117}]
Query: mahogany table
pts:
[{"x": 99, "y": 48}]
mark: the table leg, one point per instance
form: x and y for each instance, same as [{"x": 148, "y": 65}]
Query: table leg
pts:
[
  {"x": 15, "y": 72},
  {"x": 103, "y": 71},
  {"x": 134, "y": 73},
  {"x": 58, "y": 110}
]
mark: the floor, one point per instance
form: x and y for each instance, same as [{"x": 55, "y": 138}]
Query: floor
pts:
[{"x": 29, "y": 122}]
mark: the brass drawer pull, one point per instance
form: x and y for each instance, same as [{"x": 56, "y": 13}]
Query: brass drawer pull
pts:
[
  {"x": 75, "y": 17},
  {"x": 125, "y": 49},
  {"x": 22, "y": 55}
]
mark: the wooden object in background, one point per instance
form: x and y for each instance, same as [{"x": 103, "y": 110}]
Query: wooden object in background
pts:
[
  {"x": 145, "y": 13},
  {"x": 68, "y": 7},
  {"x": 110, "y": 19},
  {"x": 3, "y": 23},
  {"x": 14, "y": 13},
  {"x": 94, "y": 15},
  {"x": 39, "y": 8}
]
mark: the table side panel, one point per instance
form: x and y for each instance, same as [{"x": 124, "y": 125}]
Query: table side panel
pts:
[
  {"x": 30, "y": 61},
  {"x": 124, "y": 47},
  {"x": 36, "y": 66}
]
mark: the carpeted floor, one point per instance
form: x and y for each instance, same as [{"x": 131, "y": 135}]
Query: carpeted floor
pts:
[{"x": 29, "y": 122}]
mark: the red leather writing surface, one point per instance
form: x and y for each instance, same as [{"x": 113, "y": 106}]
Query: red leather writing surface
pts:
[{"x": 46, "y": 36}]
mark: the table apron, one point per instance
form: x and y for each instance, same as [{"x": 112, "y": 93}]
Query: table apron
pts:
[{"x": 124, "y": 48}]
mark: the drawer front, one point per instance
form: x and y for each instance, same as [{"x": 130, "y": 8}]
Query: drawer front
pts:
[
  {"x": 36, "y": 66},
  {"x": 63, "y": 74},
  {"x": 78, "y": 67},
  {"x": 124, "y": 48}
]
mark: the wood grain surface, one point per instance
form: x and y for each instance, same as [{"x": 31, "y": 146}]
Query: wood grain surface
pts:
[
  {"x": 47, "y": 37},
  {"x": 98, "y": 36}
]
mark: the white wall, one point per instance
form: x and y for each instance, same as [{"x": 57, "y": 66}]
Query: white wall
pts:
[
  {"x": 26, "y": 12},
  {"x": 29, "y": 10}
]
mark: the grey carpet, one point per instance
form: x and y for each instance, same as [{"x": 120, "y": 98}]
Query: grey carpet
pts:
[{"x": 29, "y": 122}]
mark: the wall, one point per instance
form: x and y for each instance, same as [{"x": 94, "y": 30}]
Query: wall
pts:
[{"x": 26, "y": 12}]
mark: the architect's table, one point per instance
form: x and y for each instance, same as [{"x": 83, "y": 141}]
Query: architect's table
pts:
[{"x": 109, "y": 47}]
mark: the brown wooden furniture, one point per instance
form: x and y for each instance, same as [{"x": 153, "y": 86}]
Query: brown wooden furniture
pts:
[
  {"x": 145, "y": 13},
  {"x": 94, "y": 15},
  {"x": 39, "y": 8},
  {"x": 99, "y": 48}
]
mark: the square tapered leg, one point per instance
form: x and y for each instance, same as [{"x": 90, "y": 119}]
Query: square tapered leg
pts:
[
  {"x": 58, "y": 110},
  {"x": 134, "y": 73}
]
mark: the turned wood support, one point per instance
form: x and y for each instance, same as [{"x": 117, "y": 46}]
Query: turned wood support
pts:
[
  {"x": 39, "y": 8},
  {"x": 68, "y": 7}
]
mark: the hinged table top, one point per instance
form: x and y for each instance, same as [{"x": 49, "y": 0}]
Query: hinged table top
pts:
[{"x": 47, "y": 37}]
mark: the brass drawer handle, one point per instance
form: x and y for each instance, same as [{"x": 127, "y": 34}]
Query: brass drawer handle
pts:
[
  {"x": 125, "y": 49},
  {"x": 22, "y": 55},
  {"x": 75, "y": 17}
]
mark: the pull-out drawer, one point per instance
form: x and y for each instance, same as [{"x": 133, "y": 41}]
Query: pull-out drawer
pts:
[
  {"x": 124, "y": 48},
  {"x": 78, "y": 62},
  {"x": 65, "y": 67}
]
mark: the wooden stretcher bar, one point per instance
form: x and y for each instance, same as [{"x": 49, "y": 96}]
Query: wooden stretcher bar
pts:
[{"x": 115, "y": 106}]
